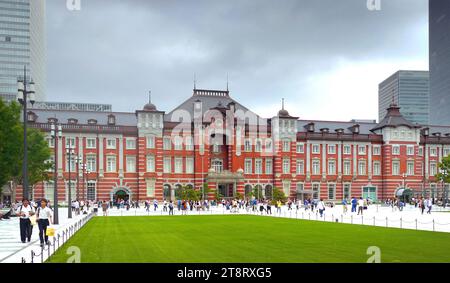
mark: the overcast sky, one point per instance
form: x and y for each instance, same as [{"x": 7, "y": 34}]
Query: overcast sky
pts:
[{"x": 325, "y": 57}]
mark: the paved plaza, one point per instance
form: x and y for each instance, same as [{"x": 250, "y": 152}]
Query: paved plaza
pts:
[{"x": 12, "y": 250}]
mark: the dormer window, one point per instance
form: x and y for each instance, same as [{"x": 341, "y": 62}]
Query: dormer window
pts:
[
  {"x": 339, "y": 131},
  {"x": 426, "y": 132},
  {"x": 72, "y": 121},
  {"x": 438, "y": 134},
  {"x": 325, "y": 130},
  {"x": 92, "y": 122},
  {"x": 310, "y": 127},
  {"x": 111, "y": 119},
  {"x": 31, "y": 117},
  {"x": 52, "y": 120},
  {"x": 355, "y": 129}
]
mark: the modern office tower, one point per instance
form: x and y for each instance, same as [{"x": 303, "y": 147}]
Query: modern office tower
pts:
[
  {"x": 439, "y": 48},
  {"x": 22, "y": 43},
  {"x": 408, "y": 89}
]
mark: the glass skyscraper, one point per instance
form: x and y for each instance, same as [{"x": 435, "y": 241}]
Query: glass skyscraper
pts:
[
  {"x": 410, "y": 91},
  {"x": 22, "y": 43},
  {"x": 439, "y": 45}
]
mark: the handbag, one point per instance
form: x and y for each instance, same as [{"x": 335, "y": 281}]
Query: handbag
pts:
[
  {"x": 50, "y": 231},
  {"x": 33, "y": 220}
]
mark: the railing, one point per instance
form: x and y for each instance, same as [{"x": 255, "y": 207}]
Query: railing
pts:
[{"x": 58, "y": 240}]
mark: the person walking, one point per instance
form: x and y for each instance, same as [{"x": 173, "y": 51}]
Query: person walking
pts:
[
  {"x": 354, "y": 204},
  {"x": 269, "y": 208},
  {"x": 44, "y": 219},
  {"x": 170, "y": 208},
  {"x": 105, "y": 208},
  {"x": 25, "y": 211},
  {"x": 165, "y": 206},
  {"x": 360, "y": 206},
  {"x": 321, "y": 207},
  {"x": 422, "y": 205},
  {"x": 429, "y": 204},
  {"x": 155, "y": 204},
  {"x": 279, "y": 206},
  {"x": 344, "y": 206}
]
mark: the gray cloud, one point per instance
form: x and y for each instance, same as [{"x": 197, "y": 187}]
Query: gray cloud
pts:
[{"x": 114, "y": 51}]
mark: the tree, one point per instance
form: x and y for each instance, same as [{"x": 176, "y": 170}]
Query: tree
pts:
[
  {"x": 188, "y": 193},
  {"x": 11, "y": 148},
  {"x": 444, "y": 172},
  {"x": 206, "y": 191},
  {"x": 278, "y": 195},
  {"x": 10, "y": 141}
]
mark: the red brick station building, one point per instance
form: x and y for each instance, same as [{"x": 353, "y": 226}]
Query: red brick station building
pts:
[{"x": 210, "y": 138}]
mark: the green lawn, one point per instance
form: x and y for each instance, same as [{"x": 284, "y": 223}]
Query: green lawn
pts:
[{"x": 243, "y": 238}]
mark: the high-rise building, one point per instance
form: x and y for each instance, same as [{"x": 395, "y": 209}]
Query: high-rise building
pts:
[
  {"x": 439, "y": 46},
  {"x": 22, "y": 43},
  {"x": 410, "y": 90}
]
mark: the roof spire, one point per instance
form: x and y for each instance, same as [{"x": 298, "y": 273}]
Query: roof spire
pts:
[
  {"x": 227, "y": 82},
  {"x": 149, "y": 96},
  {"x": 195, "y": 81},
  {"x": 282, "y": 104}
]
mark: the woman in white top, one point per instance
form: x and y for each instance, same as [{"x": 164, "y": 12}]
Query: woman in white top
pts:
[
  {"x": 321, "y": 207},
  {"x": 44, "y": 219}
]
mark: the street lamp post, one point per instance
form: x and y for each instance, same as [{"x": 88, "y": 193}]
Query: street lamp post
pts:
[
  {"x": 70, "y": 152},
  {"x": 23, "y": 96},
  {"x": 55, "y": 134}
]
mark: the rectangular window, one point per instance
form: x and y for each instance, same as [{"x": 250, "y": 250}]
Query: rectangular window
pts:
[
  {"x": 420, "y": 153},
  {"x": 376, "y": 150},
  {"x": 410, "y": 150},
  {"x": 286, "y": 188},
  {"x": 433, "y": 169},
  {"x": 51, "y": 142},
  {"x": 347, "y": 167},
  {"x": 347, "y": 149},
  {"x": 316, "y": 191},
  {"x": 248, "y": 166},
  {"x": 362, "y": 167},
  {"x": 167, "y": 164},
  {"x": 178, "y": 165},
  {"x": 347, "y": 191},
  {"x": 130, "y": 143},
  {"x": 91, "y": 191},
  {"x": 189, "y": 143},
  {"x": 376, "y": 168},
  {"x": 433, "y": 151},
  {"x": 300, "y": 167},
  {"x": 286, "y": 146},
  {"x": 70, "y": 142},
  {"x": 189, "y": 165},
  {"x": 131, "y": 164},
  {"x": 361, "y": 149},
  {"x": 150, "y": 141},
  {"x": 110, "y": 163},
  {"x": 167, "y": 143},
  {"x": 331, "y": 191},
  {"x": 331, "y": 167},
  {"x": 269, "y": 166},
  {"x": 395, "y": 167},
  {"x": 286, "y": 166},
  {"x": 300, "y": 147},
  {"x": 258, "y": 166},
  {"x": 316, "y": 149},
  {"x": 178, "y": 143},
  {"x": 150, "y": 163},
  {"x": 331, "y": 149},
  {"x": 111, "y": 143},
  {"x": 91, "y": 143},
  {"x": 71, "y": 164},
  {"x": 258, "y": 145},
  {"x": 446, "y": 152},
  {"x": 247, "y": 145},
  {"x": 395, "y": 149},
  {"x": 49, "y": 191},
  {"x": 91, "y": 163},
  {"x": 316, "y": 167},
  {"x": 410, "y": 168},
  {"x": 150, "y": 187}
]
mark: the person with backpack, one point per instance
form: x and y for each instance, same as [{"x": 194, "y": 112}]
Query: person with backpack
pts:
[
  {"x": 25, "y": 211},
  {"x": 44, "y": 219}
]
